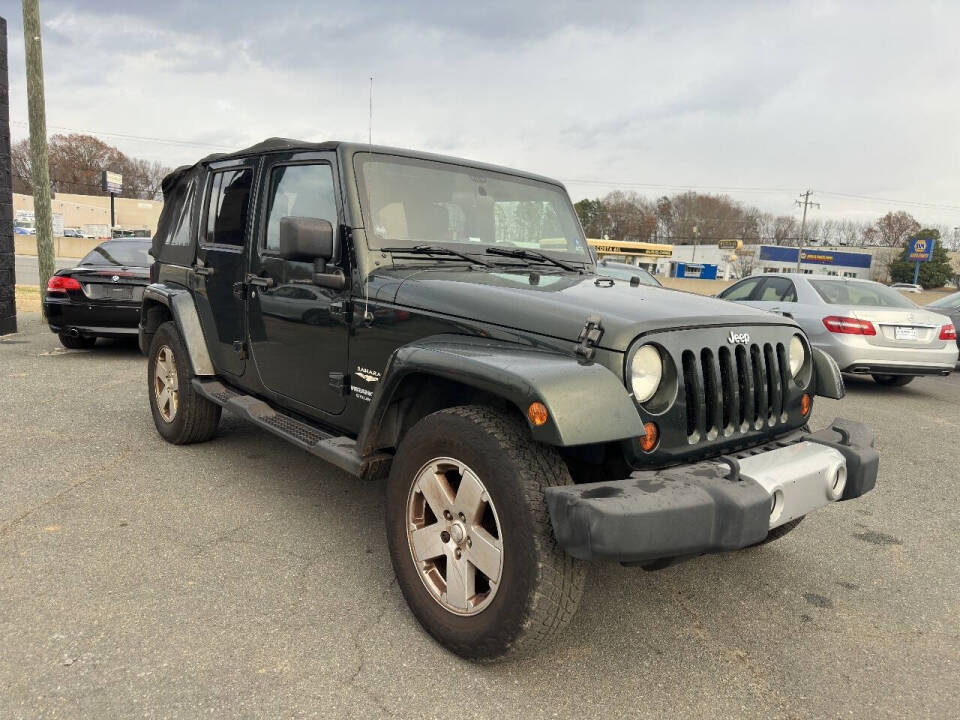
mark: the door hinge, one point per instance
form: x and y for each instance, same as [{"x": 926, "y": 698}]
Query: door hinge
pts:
[
  {"x": 240, "y": 348},
  {"x": 341, "y": 310},
  {"x": 589, "y": 336},
  {"x": 340, "y": 383}
]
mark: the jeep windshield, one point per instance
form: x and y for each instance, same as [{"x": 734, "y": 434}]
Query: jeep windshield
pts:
[{"x": 408, "y": 202}]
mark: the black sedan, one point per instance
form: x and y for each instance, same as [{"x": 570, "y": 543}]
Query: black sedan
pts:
[{"x": 101, "y": 296}]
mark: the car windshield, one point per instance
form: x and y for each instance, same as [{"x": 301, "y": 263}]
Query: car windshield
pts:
[
  {"x": 407, "y": 202},
  {"x": 867, "y": 294},
  {"x": 949, "y": 301},
  {"x": 119, "y": 252},
  {"x": 625, "y": 273}
]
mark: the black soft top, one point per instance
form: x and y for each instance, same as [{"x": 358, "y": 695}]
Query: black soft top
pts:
[{"x": 181, "y": 189}]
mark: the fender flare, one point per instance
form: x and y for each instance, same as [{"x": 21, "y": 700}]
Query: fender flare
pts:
[
  {"x": 180, "y": 303},
  {"x": 586, "y": 403},
  {"x": 827, "y": 378}
]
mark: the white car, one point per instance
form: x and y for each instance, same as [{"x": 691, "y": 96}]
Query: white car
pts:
[
  {"x": 868, "y": 328},
  {"x": 907, "y": 287}
]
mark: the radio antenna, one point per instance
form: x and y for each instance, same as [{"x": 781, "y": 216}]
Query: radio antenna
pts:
[{"x": 370, "y": 121}]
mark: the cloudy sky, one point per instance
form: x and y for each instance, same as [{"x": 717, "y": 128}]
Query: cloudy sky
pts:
[{"x": 758, "y": 100}]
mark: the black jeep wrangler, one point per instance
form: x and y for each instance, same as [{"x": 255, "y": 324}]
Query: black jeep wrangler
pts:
[{"x": 442, "y": 321}]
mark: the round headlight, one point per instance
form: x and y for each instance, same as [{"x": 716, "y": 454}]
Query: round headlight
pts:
[
  {"x": 646, "y": 370},
  {"x": 798, "y": 355}
]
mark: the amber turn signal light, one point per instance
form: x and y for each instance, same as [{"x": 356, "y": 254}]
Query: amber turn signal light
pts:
[
  {"x": 537, "y": 413},
  {"x": 805, "y": 404},
  {"x": 649, "y": 441}
]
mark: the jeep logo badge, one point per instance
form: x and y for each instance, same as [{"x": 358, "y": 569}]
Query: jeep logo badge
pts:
[{"x": 734, "y": 338}]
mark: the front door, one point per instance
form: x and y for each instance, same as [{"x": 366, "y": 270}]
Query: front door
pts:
[
  {"x": 221, "y": 261},
  {"x": 297, "y": 336}
]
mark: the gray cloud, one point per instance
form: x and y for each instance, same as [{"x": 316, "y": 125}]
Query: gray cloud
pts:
[{"x": 859, "y": 98}]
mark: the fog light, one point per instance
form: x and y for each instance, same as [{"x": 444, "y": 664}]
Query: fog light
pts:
[
  {"x": 805, "y": 404},
  {"x": 537, "y": 413},
  {"x": 776, "y": 506},
  {"x": 836, "y": 481},
  {"x": 649, "y": 441}
]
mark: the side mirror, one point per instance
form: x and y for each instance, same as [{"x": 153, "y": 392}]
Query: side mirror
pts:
[{"x": 307, "y": 239}]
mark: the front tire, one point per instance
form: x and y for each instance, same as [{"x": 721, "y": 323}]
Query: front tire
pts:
[
  {"x": 893, "y": 380},
  {"x": 181, "y": 415},
  {"x": 470, "y": 536}
]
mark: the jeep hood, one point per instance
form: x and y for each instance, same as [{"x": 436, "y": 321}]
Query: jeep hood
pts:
[{"x": 559, "y": 304}]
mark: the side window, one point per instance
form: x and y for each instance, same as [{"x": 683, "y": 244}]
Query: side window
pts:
[
  {"x": 778, "y": 289},
  {"x": 228, "y": 207},
  {"x": 299, "y": 191},
  {"x": 741, "y": 291}
]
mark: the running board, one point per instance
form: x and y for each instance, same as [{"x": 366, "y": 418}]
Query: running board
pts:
[{"x": 338, "y": 450}]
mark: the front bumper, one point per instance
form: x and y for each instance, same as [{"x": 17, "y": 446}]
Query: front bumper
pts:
[{"x": 714, "y": 506}]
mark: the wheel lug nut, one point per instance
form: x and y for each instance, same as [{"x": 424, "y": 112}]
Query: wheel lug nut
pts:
[
  {"x": 461, "y": 516},
  {"x": 447, "y": 515},
  {"x": 469, "y": 542},
  {"x": 458, "y": 554},
  {"x": 445, "y": 536}
]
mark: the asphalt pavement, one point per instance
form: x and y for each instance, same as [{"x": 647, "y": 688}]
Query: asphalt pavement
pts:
[
  {"x": 243, "y": 577},
  {"x": 28, "y": 271}
]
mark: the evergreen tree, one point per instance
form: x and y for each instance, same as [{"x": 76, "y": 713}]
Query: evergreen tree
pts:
[{"x": 933, "y": 274}]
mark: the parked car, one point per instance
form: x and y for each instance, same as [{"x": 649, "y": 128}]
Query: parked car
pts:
[
  {"x": 530, "y": 414},
  {"x": 625, "y": 271},
  {"x": 907, "y": 287},
  {"x": 868, "y": 328},
  {"x": 949, "y": 306},
  {"x": 101, "y": 296},
  {"x": 72, "y": 233}
]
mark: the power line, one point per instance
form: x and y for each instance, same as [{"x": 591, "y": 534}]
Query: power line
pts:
[
  {"x": 165, "y": 141},
  {"x": 577, "y": 181}
]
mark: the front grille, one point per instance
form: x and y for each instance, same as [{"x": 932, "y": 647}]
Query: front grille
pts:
[{"x": 727, "y": 392}]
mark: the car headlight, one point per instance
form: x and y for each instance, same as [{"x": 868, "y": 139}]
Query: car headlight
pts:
[
  {"x": 646, "y": 371},
  {"x": 798, "y": 355}
]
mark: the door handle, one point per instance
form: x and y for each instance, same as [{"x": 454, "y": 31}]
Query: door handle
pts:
[
  {"x": 264, "y": 282},
  {"x": 203, "y": 270}
]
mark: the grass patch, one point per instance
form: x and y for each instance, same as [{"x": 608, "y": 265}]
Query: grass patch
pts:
[{"x": 28, "y": 298}]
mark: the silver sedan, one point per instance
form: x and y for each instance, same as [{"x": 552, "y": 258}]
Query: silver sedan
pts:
[{"x": 866, "y": 327}]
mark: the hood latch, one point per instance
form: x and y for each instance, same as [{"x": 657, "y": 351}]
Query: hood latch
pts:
[{"x": 589, "y": 337}]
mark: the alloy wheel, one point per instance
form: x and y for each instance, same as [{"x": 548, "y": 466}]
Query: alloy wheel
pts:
[
  {"x": 165, "y": 384},
  {"x": 454, "y": 536}
]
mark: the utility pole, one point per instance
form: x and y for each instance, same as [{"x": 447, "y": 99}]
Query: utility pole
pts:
[
  {"x": 8, "y": 270},
  {"x": 39, "y": 167},
  {"x": 803, "y": 222}
]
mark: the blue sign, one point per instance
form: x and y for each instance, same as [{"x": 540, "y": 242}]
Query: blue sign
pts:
[
  {"x": 814, "y": 256},
  {"x": 921, "y": 249}
]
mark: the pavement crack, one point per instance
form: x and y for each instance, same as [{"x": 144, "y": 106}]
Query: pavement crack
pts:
[{"x": 7, "y": 526}]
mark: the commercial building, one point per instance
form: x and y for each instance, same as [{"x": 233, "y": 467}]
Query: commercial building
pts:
[
  {"x": 842, "y": 263},
  {"x": 644, "y": 254},
  {"x": 706, "y": 262}
]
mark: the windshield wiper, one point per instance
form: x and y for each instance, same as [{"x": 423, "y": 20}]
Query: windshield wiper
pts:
[
  {"x": 436, "y": 250},
  {"x": 531, "y": 255}
]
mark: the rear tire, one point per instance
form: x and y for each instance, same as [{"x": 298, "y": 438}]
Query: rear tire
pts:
[
  {"x": 80, "y": 342},
  {"x": 181, "y": 415},
  {"x": 893, "y": 380},
  {"x": 538, "y": 586}
]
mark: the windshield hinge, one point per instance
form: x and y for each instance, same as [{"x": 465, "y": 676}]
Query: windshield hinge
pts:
[
  {"x": 342, "y": 310},
  {"x": 589, "y": 337}
]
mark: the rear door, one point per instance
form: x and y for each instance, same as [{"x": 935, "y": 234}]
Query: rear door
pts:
[
  {"x": 777, "y": 294},
  {"x": 221, "y": 262},
  {"x": 297, "y": 335}
]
